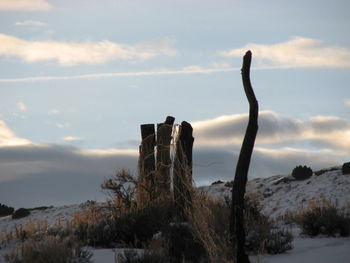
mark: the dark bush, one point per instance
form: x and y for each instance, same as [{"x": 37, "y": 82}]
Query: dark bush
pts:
[
  {"x": 132, "y": 229},
  {"x": 6, "y": 210},
  {"x": 49, "y": 250},
  {"x": 181, "y": 244},
  {"x": 326, "y": 220},
  {"x": 138, "y": 227},
  {"x": 302, "y": 172},
  {"x": 278, "y": 241},
  {"x": 346, "y": 168},
  {"x": 40, "y": 208},
  {"x": 19, "y": 213},
  {"x": 263, "y": 236},
  {"x": 217, "y": 182},
  {"x": 149, "y": 256}
]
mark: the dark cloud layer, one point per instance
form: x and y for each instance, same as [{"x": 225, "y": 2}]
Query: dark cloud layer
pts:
[
  {"x": 32, "y": 175},
  {"x": 55, "y": 175}
]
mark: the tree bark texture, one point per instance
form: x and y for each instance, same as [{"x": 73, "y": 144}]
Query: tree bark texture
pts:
[
  {"x": 162, "y": 176},
  {"x": 183, "y": 169},
  {"x": 237, "y": 208},
  {"x": 147, "y": 164}
]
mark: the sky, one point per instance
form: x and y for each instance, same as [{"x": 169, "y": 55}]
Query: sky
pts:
[{"x": 78, "y": 78}]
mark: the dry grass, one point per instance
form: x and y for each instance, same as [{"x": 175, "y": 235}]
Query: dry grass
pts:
[{"x": 48, "y": 250}]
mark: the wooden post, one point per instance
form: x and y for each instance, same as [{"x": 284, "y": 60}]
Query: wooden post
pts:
[
  {"x": 240, "y": 181},
  {"x": 162, "y": 179},
  {"x": 183, "y": 169},
  {"x": 147, "y": 164}
]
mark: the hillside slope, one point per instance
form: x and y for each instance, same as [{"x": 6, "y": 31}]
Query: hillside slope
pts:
[{"x": 280, "y": 193}]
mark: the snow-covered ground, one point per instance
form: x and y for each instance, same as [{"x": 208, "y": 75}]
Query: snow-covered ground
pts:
[
  {"x": 277, "y": 194},
  {"x": 309, "y": 250}
]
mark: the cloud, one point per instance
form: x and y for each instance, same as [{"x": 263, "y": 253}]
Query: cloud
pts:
[
  {"x": 295, "y": 53},
  {"x": 159, "y": 72},
  {"x": 9, "y": 138},
  {"x": 62, "y": 125},
  {"x": 347, "y": 102},
  {"x": 219, "y": 163},
  {"x": 54, "y": 112},
  {"x": 30, "y": 23},
  {"x": 21, "y": 106},
  {"x": 71, "y": 139},
  {"x": 25, "y": 5},
  {"x": 75, "y": 53},
  {"x": 35, "y": 174},
  {"x": 275, "y": 129}
]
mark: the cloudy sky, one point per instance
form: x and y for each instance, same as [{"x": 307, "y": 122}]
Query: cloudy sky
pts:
[{"x": 78, "y": 77}]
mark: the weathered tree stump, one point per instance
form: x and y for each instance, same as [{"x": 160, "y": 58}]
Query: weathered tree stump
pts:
[
  {"x": 146, "y": 191},
  {"x": 183, "y": 169},
  {"x": 162, "y": 176}
]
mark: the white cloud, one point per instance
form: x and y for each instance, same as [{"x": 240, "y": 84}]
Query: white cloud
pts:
[
  {"x": 347, "y": 102},
  {"x": 9, "y": 138},
  {"x": 21, "y": 106},
  {"x": 62, "y": 125},
  {"x": 320, "y": 131},
  {"x": 74, "y": 53},
  {"x": 54, "y": 112},
  {"x": 25, "y": 5},
  {"x": 159, "y": 72},
  {"x": 30, "y": 23},
  {"x": 71, "y": 139},
  {"x": 298, "y": 52}
]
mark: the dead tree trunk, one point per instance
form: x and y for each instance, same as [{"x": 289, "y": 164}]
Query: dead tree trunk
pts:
[
  {"x": 237, "y": 208},
  {"x": 147, "y": 164},
  {"x": 183, "y": 169},
  {"x": 162, "y": 179}
]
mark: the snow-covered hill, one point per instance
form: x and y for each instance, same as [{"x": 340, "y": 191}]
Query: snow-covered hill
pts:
[{"x": 278, "y": 194}]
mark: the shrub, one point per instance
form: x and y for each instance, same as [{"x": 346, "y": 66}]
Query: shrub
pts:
[
  {"x": 40, "y": 208},
  {"x": 49, "y": 250},
  {"x": 346, "y": 168},
  {"x": 149, "y": 256},
  {"x": 21, "y": 212},
  {"x": 122, "y": 186},
  {"x": 302, "y": 172},
  {"x": 278, "y": 241},
  {"x": 134, "y": 228},
  {"x": 137, "y": 228},
  {"x": 6, "y": 210},
  {"x": 181, "y": 243},
  {"x": 211, "y": 221},
  {"x": 264, "y": 236},
  {"x": 323, "y": 219}
]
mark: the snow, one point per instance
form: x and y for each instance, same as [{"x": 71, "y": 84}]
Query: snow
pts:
[
  {"x": 110, "y": 255},
  {"x": 279, "y": 194},
  {"x": 51, "y": 217},
  {"x": 103, "y": 255},
  {"x": 306, "y": 250}
]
